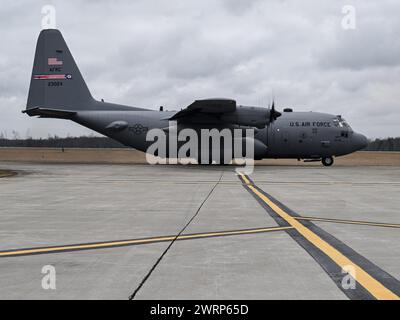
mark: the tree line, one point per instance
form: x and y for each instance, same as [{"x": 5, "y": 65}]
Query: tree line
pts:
[
  {"x": 387, "y": 144},
  {"x": 57, "y": 142}
]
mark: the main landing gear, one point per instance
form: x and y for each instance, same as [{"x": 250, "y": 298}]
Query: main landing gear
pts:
[{"x": 327, "y": 161}]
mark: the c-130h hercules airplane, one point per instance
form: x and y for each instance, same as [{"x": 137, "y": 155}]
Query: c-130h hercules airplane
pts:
[{"x": 57, "y": 90}]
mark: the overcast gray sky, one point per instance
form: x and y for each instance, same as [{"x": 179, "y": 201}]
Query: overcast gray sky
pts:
[{"x": 150, "y": 53}]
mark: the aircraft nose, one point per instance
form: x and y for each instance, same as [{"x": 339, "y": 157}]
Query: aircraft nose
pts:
[{"x": 360, "y": 141}]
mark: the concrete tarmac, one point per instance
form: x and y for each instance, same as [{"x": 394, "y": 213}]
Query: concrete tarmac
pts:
[{"x": 47, "y": 205}]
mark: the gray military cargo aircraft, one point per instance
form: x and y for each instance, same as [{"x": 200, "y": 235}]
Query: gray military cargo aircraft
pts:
[{"x": 57, "y": 90}]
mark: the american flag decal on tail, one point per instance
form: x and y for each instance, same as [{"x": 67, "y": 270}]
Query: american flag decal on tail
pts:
[
  {"x": 51, "y": 76},
  {"x": 54, "y": 62}
]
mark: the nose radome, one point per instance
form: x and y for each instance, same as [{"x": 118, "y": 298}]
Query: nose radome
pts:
[{"x": 360, "y": 141}]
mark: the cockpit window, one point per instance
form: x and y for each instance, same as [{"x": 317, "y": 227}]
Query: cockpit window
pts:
[{"x": 341, "y": 123}]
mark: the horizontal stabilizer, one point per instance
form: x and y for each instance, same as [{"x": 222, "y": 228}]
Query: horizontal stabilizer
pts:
[{"x": 49, "y": 113}]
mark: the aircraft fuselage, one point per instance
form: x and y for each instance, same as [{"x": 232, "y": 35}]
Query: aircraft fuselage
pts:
[{"x": 301, "y": 135}]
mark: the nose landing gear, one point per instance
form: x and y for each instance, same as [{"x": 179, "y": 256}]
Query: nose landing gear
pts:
[{"x": 327, "y": 161}]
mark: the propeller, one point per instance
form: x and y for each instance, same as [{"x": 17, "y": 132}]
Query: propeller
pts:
[{"x": 273, "y": 114}]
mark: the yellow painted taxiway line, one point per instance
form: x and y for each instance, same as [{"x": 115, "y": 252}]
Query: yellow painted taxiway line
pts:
[
  {"x": 372, "y": 285},
  {"x": 357, "y": 222},
  {"x": 109, "y": 244}
]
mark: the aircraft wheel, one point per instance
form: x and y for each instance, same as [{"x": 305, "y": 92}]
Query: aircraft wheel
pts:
[{"x": 327, "y": 161}]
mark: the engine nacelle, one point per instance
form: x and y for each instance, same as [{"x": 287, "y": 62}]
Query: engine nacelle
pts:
[{"x": 249, "y": 116}]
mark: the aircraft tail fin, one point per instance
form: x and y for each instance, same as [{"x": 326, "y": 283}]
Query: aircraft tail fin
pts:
[{"x": 56, "y": 81}]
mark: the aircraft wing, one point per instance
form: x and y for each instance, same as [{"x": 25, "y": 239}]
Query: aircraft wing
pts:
[{"x": 206, "y": 107}]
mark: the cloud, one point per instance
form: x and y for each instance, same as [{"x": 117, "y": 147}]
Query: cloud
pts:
[
  {"x": 151, "y": 53},
  {"x": 371, "y": 44}
]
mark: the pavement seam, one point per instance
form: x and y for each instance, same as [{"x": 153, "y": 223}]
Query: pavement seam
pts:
[{"x": 132, "y": 296}]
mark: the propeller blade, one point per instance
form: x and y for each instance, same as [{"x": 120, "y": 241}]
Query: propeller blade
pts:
[{"x": 273, "y": 115}]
